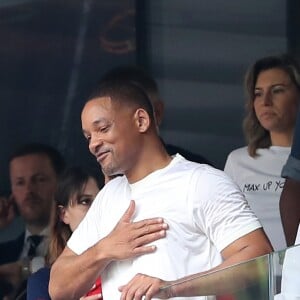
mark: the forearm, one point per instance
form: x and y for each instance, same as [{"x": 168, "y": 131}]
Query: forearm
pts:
[
  {"x": 209, "y": 282},
  {"x": 222, "y": 281},
  {"x": 72, "y": 276},
  {"x": 232, "y": 274},
  {"x": 290, "y": 209}
]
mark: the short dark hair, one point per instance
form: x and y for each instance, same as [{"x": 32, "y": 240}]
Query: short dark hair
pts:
[
  {"x": 54, "y": 155},
  {"x": 135, "y": 74},
  {"x": 123, "y": 91}
]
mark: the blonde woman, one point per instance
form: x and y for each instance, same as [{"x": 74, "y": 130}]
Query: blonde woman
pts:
[{"x": 273, "y": 90}]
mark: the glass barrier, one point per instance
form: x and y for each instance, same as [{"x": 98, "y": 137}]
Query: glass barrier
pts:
[
  {"x": 273, "y": 276},
  {"x": 285, "y": 274}
]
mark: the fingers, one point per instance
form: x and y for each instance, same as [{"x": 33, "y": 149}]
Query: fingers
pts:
[
  {"x": 132, "y": 290},
  {"x": 140, "y": 287},
  {"x": 150, "y": 233},
  {"x": 127, "y": 216},
  {"x": 144, "y": 227},
  {"x": 159, "y": 228},
  {"x": 142, "y": 242},
  {"x": 147, "y": 222},
  {"x": 143, "y": 236},
  {"x": 129, "y": 239},
  {"x": 147, "y": 231},
  {"x": 7, "y": 212}
]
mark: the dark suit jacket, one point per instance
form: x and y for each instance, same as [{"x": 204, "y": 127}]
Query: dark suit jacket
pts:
[
  {"x": 11, "y": 250},
  {"x": 37, "y": 285}
]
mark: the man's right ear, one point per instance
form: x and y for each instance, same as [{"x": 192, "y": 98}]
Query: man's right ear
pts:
[{"x": 142, "y": 119}]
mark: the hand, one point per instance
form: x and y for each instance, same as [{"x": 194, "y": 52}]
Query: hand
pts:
[
  {"x": 12, "y": 273},
  {"x": 7, "y": 211},
  {"x": 145, "y": 287},
  {"x": 129, "y": 239}
]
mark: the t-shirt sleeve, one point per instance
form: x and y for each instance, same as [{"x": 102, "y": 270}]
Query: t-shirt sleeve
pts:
[
  {"x": 221, "y": 209},
  {"x": 87, "y": 233}
]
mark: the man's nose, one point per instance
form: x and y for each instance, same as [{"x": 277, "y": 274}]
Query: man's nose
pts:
[
  {"x": 95, "y": 144},
  {"x": 29, "y": 186}
]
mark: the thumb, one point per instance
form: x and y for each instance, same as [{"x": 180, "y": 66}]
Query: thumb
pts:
[{"x": 128, "y": 213}]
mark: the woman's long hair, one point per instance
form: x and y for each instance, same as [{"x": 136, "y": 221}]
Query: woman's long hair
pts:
[
  {"x": 71, "y": 183},
  {"x": 257, "y": 136}
]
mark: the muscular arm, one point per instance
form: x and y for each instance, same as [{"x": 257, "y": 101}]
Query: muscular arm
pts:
[
  {"x": 290, "y": 209},
  {"x": 249, "y": 246},
  {"x": 73, "y": 275}
]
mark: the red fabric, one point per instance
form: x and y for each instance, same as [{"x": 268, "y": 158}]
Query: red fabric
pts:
[{"x": 96, "y": 289}]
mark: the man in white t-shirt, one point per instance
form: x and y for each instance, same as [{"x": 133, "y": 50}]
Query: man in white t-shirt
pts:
[{"x": 210, "y": 223}]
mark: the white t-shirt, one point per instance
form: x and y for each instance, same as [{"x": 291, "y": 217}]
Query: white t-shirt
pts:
[
  {"x": 290, "y": 282},
  {"x": 204, "y": 209},
  {"x": 260, "y": 179}
]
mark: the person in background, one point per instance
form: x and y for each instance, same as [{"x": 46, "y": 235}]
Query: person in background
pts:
[
  {"x": 76, "y": 191},
  {"x": 7, "y": 211},
  {"x": 273, "y": 90},
  {"x": 290, "y": 196},
  {"x": 11, "y": 223},
  {"x": 211, "y": 225},
  {"x": 290, "y": 216},
  {"x": 139, "y": 76},
  {"x": 33, "y": 169}
]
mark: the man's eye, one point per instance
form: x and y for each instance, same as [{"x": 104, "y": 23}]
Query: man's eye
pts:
[
  {"x": 19, "y": 183},
  {"x": 104, "y": 129},
  {"x": 41, "y": 179}
]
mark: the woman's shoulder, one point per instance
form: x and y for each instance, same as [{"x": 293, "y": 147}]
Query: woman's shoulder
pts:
[{"x": 239, "y": 152}]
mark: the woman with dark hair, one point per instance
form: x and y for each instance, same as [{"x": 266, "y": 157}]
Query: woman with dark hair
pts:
[
  {"x": 75, "y": 193},
  {"x": 273, "y": 94}
]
